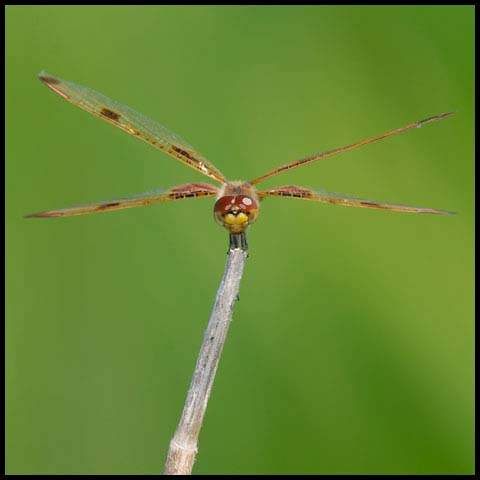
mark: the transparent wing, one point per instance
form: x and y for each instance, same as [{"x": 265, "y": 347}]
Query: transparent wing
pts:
[
  {"x": 341, "y": 199},
  {"x": 190, "y": 190},
  {"x": 329, "y": 153},
  {"x": 133, "y": 123}
]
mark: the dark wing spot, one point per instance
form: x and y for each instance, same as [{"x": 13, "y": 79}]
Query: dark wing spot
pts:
[
  {"x": 189, "y": 194},
  {"x": 184, "y": 153},
  {"x": 50, "y": 80},
  {"x": 192, "y": 190},
  {"x": 110, "y": 114},
  {"x": 107, "y": 205},
  {"x": 298, "y": 194},
  {"x": 434, "y": 117},
  {"x": 374, "y": 205},
  {"x": 295, "y": 192}
]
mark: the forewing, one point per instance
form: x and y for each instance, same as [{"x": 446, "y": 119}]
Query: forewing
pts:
[
  {"x": 329, "y": 153},
  {"x": 342, "y": 199},
  {"x": 133, "y": 123},
  {"x": 190, "y": 190}
]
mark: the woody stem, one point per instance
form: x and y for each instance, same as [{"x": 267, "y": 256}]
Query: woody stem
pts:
[{"x": 184, "y": 444}]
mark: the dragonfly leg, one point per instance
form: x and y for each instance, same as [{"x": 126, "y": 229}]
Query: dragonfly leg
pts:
[{"x": 238, "y": 240}]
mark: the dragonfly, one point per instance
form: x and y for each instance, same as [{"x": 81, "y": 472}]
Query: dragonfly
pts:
[{"x": 237, "y": 202}]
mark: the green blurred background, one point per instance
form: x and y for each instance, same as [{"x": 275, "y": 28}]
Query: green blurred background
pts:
[{"x": 351, "y": 350}]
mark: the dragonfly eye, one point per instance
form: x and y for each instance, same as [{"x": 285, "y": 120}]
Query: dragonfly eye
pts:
[{"x": 235, "y": 212}]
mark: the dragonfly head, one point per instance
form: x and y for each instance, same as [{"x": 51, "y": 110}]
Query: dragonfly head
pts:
[{"x": 235, "y": 212}]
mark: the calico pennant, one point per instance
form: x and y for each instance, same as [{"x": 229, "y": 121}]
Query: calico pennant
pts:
[{"x": 237, "y": 202}]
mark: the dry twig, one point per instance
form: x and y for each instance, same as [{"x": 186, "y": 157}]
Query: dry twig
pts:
[{"x": 183, "y": 446}]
